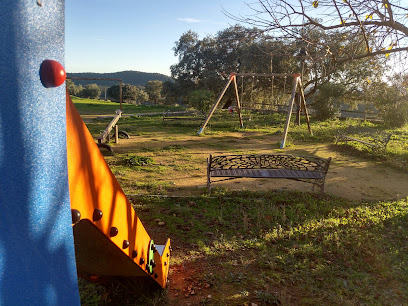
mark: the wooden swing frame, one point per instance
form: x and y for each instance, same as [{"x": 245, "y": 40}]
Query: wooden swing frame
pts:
[{"x": 297, "y": 96}]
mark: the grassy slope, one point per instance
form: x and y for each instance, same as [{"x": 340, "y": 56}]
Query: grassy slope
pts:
[
  {"x": 272, "y": 248},
  {"x": 100, "y": 107}
]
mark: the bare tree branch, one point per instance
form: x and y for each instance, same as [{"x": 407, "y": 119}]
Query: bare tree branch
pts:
[{"x": 373, "y": 21}]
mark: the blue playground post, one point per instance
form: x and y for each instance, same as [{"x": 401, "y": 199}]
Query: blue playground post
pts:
[{"x": 37, "y": 259}]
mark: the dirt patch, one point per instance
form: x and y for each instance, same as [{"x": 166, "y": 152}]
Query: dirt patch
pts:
[{"x": 349, "y": 177}]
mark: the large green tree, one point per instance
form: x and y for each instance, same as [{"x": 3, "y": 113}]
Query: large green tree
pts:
[
  {"x": 391, "y": 99},
  {"x": 153, "y": 89},
  {"x": 206, "y": 63},
  {"x": 170, "y": 92},
  {"x": 129, "y": 93}
]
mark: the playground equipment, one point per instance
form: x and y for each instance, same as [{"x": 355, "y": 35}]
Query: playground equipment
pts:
[
  {"x": 297, "y": 96},
  {"x": 40, "y": 185},
  {"x": 110, "y": 240},
  {"x": 105, "y": 135}
]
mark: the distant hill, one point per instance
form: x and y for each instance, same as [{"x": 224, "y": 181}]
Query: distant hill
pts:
[{"x": 128, "y": 77}]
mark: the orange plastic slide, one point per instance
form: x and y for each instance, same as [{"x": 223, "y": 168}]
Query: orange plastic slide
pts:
[{"x": 110, "y": 240}]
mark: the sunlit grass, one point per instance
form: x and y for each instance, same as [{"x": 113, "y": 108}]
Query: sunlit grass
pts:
[
  {"x": 329, "y": 250},
  {"x": 273, "y": 247}
]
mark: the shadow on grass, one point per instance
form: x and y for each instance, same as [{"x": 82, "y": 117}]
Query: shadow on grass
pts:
[{"x": 289, "y": 247}]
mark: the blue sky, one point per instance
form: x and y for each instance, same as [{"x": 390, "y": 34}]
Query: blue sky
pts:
[{"x": 117, "y": 35}]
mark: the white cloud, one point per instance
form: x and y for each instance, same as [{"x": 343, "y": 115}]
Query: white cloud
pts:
[{"x": 190, "y": 20}]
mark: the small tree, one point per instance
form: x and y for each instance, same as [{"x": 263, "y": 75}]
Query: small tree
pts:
[
  {"x": 91, "y": 91},
  {"x": 129, "y": 93},
  {"x": 142, "y": 95},
  {"x": 170, "y": 92},
  {"x": 201, "y": 99},
  {"x": 72, "y": 88},
  {"x": 391, "y": 102},
  {"x": 153, "y": 89},
  {"x": 113, "y": 93},
  {"x": 326, "y": 103}
]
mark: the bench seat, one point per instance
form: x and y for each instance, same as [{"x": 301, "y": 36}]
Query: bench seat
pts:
[{"x": 267, "y": 173}]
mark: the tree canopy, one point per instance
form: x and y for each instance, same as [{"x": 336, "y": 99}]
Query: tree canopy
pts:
[
  {"x": 339, "y": 47},
  {"x": 154, "y": 89},
  {"x": 130, "y": 94},
  {"x": 206, "y": 63}
]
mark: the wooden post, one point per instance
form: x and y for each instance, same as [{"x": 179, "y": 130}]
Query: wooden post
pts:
[
  {"x": 238, "y": 103},
  {"x": 201, "y": 130},
  {"x": 116, "y": 134},
  {"x": 120, "y": 94}
]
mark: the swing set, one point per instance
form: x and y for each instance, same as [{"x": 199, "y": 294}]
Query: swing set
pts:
[{"x": 297, "y": 98}]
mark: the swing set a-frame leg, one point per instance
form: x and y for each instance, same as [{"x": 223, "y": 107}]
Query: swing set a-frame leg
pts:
[
  {"x": 231, "y": 78},
  {"x": 289, "y": 114},
  {"x": 238, "y": 103},
  {"x": 201, "y": 130},
  {"x": 297, "y": 84},
  {"x": 303, "y": 106}
]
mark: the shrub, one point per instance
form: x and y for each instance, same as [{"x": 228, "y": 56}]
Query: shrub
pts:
[
  {"x": 91, "y": 91},
  {"x": 72, "y": 88},
  {"x": 136, "y": 160},
  {"x": 201, "y": 100},
  {"x": 392, "y": 105},
  {"x": 326, "y": 103}
]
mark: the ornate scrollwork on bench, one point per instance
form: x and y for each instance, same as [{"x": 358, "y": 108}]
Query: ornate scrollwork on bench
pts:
[{"x": 301, "y": 168}]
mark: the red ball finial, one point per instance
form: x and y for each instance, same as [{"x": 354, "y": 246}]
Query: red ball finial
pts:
[{"x": 52, "y": 73}]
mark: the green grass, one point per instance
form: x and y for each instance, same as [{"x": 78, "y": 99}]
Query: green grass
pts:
[
  {"x": 101, "y": 107},
  {"x": 280, "y": 247},
  {"x": 328, "y": 251}
]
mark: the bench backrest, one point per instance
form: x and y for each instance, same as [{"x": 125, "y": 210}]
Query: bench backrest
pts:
[
  {"x": 371, "y": 134},
  {"x": 268, "y": 161}
]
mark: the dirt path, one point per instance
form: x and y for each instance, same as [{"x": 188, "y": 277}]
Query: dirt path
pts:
[{"x": 348, "y": 177}]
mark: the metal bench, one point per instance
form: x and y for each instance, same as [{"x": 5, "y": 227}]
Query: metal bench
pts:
[
  {"x": 373, "y": 138},
  {"x": 300, "y": 168}
]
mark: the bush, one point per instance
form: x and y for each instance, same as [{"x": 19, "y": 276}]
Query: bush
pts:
[
  {"x": 136, "y": 160},
  {"x": 201, "y": 100},
  {"x": 392, "y": 105},
  {"x": 326, "y": 103},
  {"x": 72, "y": 88},
  {"x": 129, "y": 93},
  {"x": 91, "y": 91}
]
